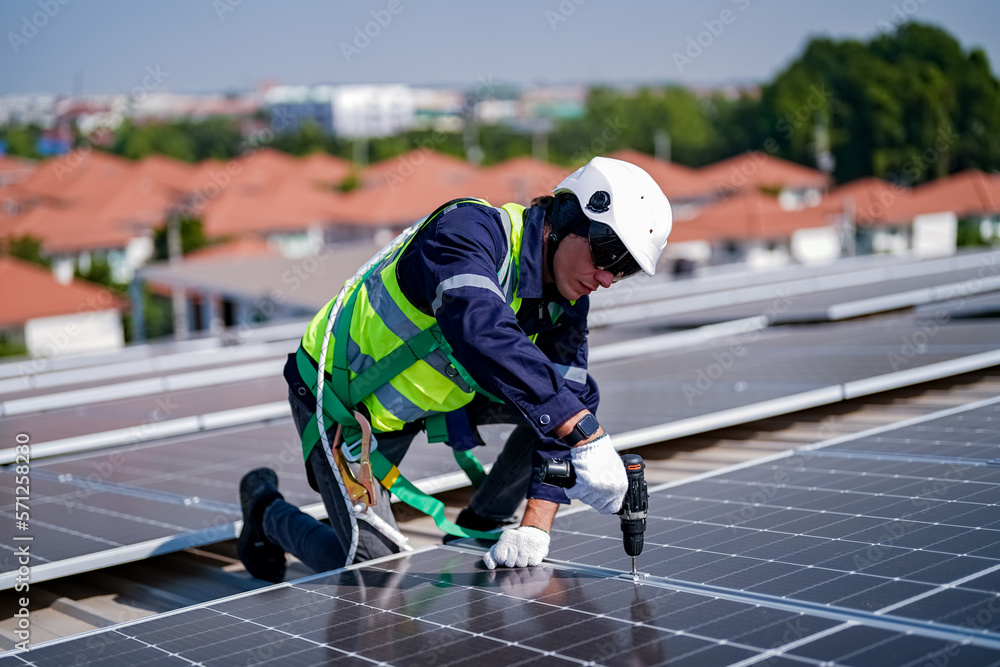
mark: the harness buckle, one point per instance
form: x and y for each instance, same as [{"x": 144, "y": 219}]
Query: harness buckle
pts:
[{"x": 366, "y": 478}]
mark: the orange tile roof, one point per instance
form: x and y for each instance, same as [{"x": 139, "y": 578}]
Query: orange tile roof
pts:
[
  {"x": 292, "y": 205},
  {"x": 165, "y": 171},
  {"x": 971, "y": 192},
  {"x": 201, "y": 175},
  {"x": 755, "y": 169},
  {"x": 518, "y": 180},
  {"x": 676, "y": 180},
  {"x": 107, "y": 202},
  {"x": 403, "y": 189},
  {"x": 750, "y": 215},
  {"x": 873, "y": 200},
  {"x": 14, "y": 200},
  {"x": 14, "y": 169},
  {"x": 79, "y": 173},
  {"x": 28, "y": 291},
  {"x": 63, "y": 230},
  {"x": 325, "y": 169}
]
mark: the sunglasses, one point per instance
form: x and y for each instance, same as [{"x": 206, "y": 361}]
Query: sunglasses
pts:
[{"x": 609, "y": 253}]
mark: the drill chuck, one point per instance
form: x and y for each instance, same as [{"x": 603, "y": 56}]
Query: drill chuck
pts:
[{"x": 557, "y": 472}]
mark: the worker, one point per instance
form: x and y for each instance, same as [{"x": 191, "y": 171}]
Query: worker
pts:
[{"x": 475, "y": 315}]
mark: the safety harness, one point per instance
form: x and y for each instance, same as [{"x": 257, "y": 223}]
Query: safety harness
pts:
[{"x": 338, "y": 394}]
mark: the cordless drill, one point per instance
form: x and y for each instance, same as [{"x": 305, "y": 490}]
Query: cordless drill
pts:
[{"x": 560, "y": 472}]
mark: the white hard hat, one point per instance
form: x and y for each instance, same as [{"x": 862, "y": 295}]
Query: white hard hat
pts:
[{"x": 621, "y": 198}]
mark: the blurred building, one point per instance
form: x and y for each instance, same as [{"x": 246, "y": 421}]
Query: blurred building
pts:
[
  {"x": 49, "y": 318},
  {"x": 24, "y": 109},
  {"x": 345, "y": 111}
]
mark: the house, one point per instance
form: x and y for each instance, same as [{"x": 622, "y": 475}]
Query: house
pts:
[
  {"x": 518, "y": 180},
  {"x": 397, "y": 192},
  {"x": 754, "y": 227},
  {"x": 49, "y": 318},
  {"x": 797, "y": 186},
  {"x": 93, "y": 205},
  {"x": 936, "y": 208}
]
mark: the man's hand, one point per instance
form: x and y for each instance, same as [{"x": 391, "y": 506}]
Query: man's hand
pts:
[
  {"x": 518, "y": 547},
  {"x": 601, "y": 480}
]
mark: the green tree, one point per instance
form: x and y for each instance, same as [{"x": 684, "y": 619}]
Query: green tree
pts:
[
  {"x": 29, "y": 249},
  {"x": 910, "y": 106},
  {"x": 22, "y": 140},
  {"x": 192, "y": 238}
]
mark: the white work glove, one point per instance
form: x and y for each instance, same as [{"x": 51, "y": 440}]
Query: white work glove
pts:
[
  {"x": 518, "y": 547},
  {"x": 601, "y": 481}
]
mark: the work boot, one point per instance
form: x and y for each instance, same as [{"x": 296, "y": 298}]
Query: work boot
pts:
[
  {"x": 468, "y": 518},
  {"x": 262, "y": 558}
]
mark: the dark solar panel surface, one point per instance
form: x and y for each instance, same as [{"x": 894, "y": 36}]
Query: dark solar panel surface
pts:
[
  {"x": 983, "y": 305},
  {"x": 897, "y": 537},
  {"x": 813, "y": 306},
  {"x": 776, "y": 363},
  {"x": 973, "y": 437},
  {"x": 144, "y": 410},
  {"x": 201, "y": 472},
  {"x": 813, "y": 557},
  {"x": 209, "y": 362},
  {"x": 442, "y": 607},
  {"x": 91, "y": 503}
]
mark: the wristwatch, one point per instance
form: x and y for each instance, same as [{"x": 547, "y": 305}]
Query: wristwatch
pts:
[{"x": 584, "y": 428}]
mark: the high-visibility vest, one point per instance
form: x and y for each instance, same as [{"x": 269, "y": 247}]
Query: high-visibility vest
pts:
[{"x": 381, "y": 321}]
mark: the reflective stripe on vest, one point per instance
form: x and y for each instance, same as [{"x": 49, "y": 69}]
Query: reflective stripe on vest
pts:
[{"x": 383, "y": 319}]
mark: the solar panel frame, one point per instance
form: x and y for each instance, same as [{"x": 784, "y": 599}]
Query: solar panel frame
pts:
[
  {"x": 439, "y": 605},
  {"x": 735, "y": 529},
  {"x": 425, "y": 465}
]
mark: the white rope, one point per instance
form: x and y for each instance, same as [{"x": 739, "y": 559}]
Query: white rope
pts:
[
  {"x": 384, "y": 527},
  {"x": 321, "y": 377}
]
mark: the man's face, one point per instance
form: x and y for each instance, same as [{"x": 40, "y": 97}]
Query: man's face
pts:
[{"x": 575, "y": 273}]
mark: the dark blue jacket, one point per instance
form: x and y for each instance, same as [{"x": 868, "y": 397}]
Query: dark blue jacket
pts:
[{"x": 545, "y": 380}]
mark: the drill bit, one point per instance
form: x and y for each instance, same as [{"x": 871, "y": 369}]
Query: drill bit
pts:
[{"x": 634, "y": 575}]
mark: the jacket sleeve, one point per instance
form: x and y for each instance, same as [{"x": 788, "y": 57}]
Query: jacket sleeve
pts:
[
  {"x": 566, "y": 346},
  {"x": 455, "y": 269}
]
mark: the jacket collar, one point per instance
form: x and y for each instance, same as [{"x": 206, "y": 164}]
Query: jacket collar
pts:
[{"x": 529, "y": 285}]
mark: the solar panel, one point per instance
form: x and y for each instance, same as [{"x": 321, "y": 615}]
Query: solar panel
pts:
[
  {"x": 806, "y": 557},
  {"x": 872, "y": 296},
  {"x": 812, "y": 293},
  {"x": 113, "y": 507},
  {"x": 896, "y": 536},
  {"x": 643, "y": 401},
  {"x": 440, "y": 606},
  {"x": 143, "y": 410},
  {"x": 109, "y": 507}
]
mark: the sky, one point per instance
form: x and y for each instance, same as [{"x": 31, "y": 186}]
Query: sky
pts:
[{"x": 202, "y": 46}]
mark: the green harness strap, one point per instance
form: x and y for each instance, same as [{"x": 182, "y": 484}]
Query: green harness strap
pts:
[
  {"x": 390, "y": 478},
  {"x": 350, "y": 392}
]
